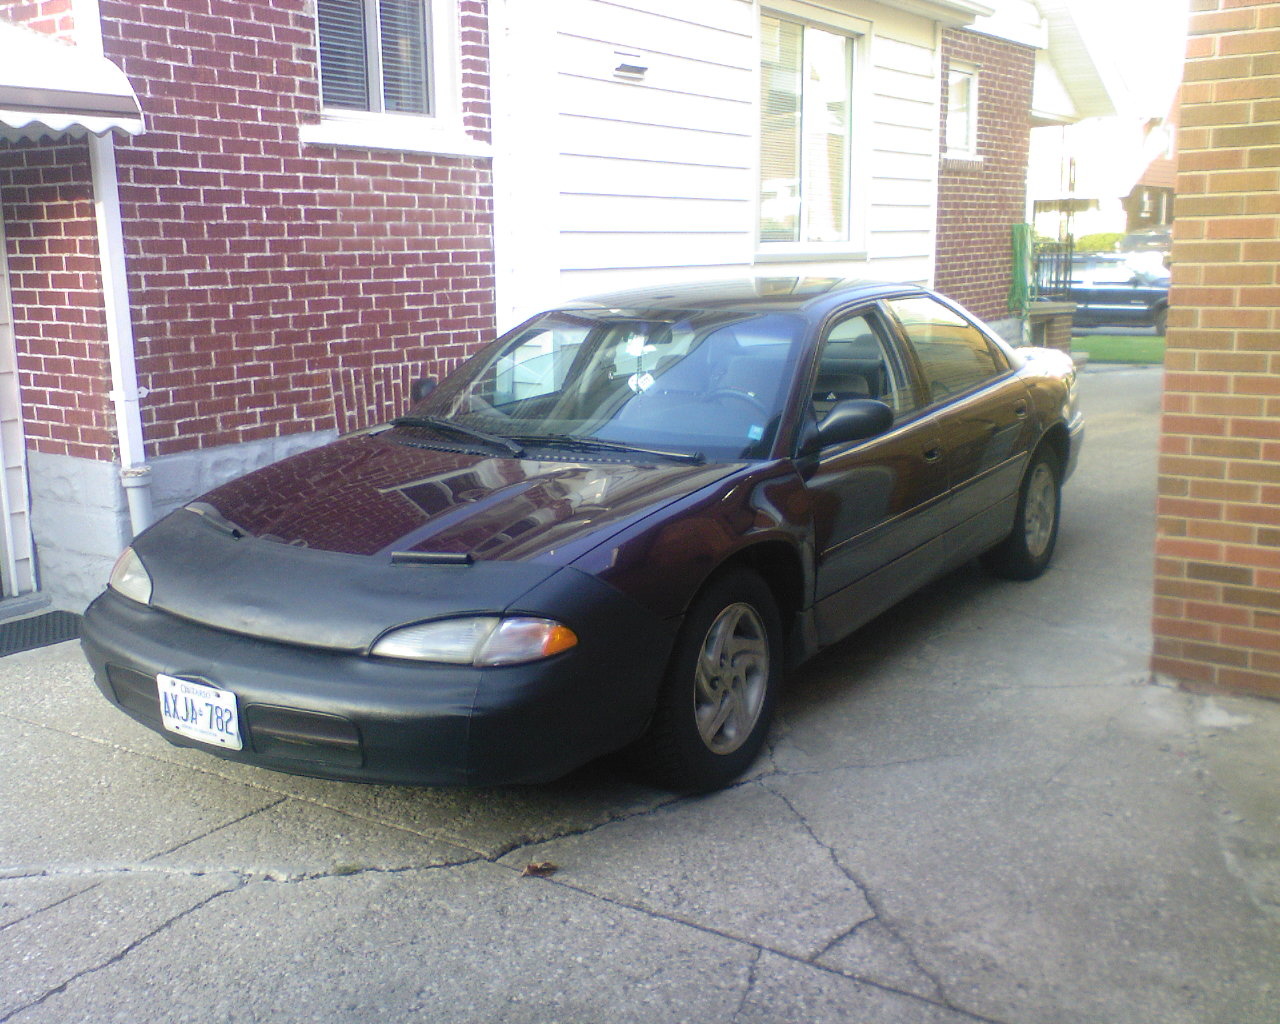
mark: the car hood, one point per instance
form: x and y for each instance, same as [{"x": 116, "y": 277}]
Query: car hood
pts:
[
  {"x": 372, "y": 495},
  {"x": 301, "y": 551}
]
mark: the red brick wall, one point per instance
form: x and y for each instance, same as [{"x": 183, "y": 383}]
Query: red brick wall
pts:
[
  {"x": 1217, "y": 590},
  {"x": 52, "y": 17},
  {"x": 51, "y": 239},
  {"x": 64, "y": 371},
  {"x": 276, "y": 287},
  {"x": 280, "y": 287},
  {"x": 978, "y": 202}
]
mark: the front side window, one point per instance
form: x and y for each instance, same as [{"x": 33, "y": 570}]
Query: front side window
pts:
[
  {"x": 855, "y": 362},
  {"x": 954, "y": 355},
  {"x": 374, "y": 55},
  {"x": 806, "y": 100}
]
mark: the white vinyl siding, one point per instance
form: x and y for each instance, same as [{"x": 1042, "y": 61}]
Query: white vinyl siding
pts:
[
  {"x": 607, "y": 180},
  {"x": 673, "y": 149},
  {"x": 902, "y": 187}
]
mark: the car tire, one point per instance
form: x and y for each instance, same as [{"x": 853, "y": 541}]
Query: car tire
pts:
[
  {"x": 1025, "y": 553},
  {"x": 1161, "y": 321},
  {"x": 717, "y": 698}
]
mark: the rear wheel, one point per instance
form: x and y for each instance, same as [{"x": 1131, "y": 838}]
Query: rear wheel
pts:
[
  {"x": 718, "y": 695},
  {"x": 1025, "y": 553}
]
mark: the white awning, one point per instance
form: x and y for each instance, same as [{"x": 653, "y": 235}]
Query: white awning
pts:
[{"x": 49, "y": 89}]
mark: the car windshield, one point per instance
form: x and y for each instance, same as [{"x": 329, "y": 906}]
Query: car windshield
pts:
[{"x": 695, "y": 385}]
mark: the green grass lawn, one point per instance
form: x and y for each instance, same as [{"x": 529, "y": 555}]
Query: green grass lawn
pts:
[{"x": 1120, "y": 348}]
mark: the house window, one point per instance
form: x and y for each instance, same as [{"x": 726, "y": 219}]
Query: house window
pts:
[
  {"x": 374, "y": 55},
  {"x": 806, "y": 101},
  {"x": 962, "y": 111}
]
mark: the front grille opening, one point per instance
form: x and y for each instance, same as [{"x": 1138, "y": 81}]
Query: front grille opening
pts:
[{"x": 303, "y": 735}]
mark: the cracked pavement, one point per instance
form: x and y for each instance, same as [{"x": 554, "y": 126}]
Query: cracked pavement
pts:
[{"x": 979, "y": 808}]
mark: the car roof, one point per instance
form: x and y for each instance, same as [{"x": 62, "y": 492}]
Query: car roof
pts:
[{"x": 813, "y": 296}]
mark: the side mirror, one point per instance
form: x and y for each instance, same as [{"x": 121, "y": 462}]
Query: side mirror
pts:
[
  {"x": 854, "y": 419},
  {"x": 421, "y": 387}
]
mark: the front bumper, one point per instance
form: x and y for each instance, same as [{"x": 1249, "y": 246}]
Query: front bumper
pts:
[{"x": 343, "y": 715}]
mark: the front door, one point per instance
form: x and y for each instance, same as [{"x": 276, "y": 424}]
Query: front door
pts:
[{"x": 878, "y": 505}]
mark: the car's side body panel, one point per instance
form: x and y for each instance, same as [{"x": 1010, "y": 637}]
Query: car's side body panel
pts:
[{"x": 875, "y": 507}]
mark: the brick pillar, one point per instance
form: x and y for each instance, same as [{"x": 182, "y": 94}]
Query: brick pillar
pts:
[{"x": 1217, "y": 589}]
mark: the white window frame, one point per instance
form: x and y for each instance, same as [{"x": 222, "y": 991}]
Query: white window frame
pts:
[
  {"x": 968, "y": 150},
  {"x": 857, "y": 180},
  {"x": 442, "y": 131}
]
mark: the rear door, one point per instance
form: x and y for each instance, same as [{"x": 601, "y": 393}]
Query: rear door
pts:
[{"x": 984, "y": 416}]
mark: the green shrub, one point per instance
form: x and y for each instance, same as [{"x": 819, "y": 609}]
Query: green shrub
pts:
[{"x": 1102, "y": 241}]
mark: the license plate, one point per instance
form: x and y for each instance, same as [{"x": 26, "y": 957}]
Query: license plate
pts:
[{"x": 199, "y": 711}]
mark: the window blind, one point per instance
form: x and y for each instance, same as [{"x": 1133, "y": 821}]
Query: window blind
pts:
[{"x": 344, "y": 64}]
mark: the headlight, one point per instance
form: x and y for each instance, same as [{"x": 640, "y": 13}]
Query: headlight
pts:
[
  {"x": 130, "y": 578},
  {"x": 481, "y": 641}
]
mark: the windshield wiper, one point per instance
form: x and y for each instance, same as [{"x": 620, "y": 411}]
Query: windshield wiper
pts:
[
  {"x": 439, "y": 423},
  {"x": 597, "y": 444}
]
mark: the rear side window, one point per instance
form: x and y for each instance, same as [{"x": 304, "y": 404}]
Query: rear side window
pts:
[{"x": 954, "y": 355}]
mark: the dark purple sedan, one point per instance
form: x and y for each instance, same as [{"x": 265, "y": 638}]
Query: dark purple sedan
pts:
[{"x": 612, "y": 529}]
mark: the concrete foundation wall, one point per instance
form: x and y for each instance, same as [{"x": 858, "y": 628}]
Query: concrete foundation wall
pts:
[{"x": 80, "y": 518}]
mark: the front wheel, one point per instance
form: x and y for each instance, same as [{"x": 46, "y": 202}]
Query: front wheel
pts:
[
  {"x": 1025, "y": 553},
  {"x": 718, "y": 695}
]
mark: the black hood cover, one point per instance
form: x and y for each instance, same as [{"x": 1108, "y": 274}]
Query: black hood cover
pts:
[
  {"x": 301, "y": 551},
  {"x": 371, "y": 495}
]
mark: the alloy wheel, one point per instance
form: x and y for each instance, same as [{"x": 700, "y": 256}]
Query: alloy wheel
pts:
[{"x": 732, "y": 677}]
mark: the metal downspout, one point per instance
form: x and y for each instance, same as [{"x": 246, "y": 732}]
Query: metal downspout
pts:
[{"x": 135, "y": 474}]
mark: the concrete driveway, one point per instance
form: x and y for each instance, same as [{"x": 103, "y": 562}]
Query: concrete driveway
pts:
[{"x": 980, "y": 808}]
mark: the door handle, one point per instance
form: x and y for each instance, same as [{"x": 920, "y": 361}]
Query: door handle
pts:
[
  {"x": 932, "y": 454},
  {"x": 1020, "y": 410}
]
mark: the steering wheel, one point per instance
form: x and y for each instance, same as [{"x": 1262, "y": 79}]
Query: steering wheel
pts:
[{"x": 742, "y": 396}]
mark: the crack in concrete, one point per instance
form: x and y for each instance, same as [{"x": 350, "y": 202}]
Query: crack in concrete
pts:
[
  {"x": 214, "y": 830},
  {"x": 761, "y": 948},
  {"x": 41, "y": 910},
  {"x": 752, "y": 977},
  {"x": 877, "y": 915},
  {"x": 525, "y": 842},
  {"x": 848, "y": 933},
  {"x": 117, "y": 957},
  {"x": 244, "y": 879}
]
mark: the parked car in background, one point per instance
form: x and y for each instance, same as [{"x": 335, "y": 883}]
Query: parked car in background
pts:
[
  {"x": 1120, "y": 289},
  {"x": 613, "y": 527},
  {"x": 1157, "y": 239}
]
